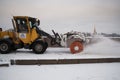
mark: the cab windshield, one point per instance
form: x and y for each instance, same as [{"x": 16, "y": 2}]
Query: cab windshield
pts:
[{"x": 21, "y": 24}]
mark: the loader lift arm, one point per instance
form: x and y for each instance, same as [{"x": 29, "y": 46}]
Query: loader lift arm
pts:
[{"x": 54, "y": 40}]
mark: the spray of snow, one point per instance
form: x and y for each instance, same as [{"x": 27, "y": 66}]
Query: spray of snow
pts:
[{"x": 104, "y": 46}]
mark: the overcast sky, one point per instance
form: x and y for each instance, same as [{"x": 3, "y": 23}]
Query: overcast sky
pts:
[{"x": 65, "y": 15}]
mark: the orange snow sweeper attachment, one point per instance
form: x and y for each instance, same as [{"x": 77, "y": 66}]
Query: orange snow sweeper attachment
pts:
[{"x": 76, "y": 47}]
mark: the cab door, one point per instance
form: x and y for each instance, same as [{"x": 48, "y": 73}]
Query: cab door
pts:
[{"x": 23, "y": 29}]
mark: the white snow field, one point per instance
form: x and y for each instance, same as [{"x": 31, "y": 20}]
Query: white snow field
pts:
[{"x": 104, "y": 71}]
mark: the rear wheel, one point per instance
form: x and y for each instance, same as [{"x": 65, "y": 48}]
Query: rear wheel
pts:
[
  {"x": 76, "y": 47},
  {"x": 5, "y": 47},
  {"x": 38, "y": 47}
]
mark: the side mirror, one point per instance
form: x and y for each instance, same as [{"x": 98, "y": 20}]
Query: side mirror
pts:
[
  {"x": 0, "y": 29},
  {"x": 37, "y": 22}
]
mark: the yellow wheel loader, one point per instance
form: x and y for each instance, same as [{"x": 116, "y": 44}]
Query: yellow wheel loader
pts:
[{"x": 26, "y": 34}]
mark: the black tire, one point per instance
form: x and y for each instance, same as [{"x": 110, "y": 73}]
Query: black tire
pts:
[
  {"x": 14, "y": 49},
  {"x": 38, "y": 47},
  {"x": 5, "y": 47},
  {"x": 46, "y": 46}
]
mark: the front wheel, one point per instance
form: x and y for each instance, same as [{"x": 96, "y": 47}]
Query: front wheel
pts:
[
  {"x": 5, "y": 47},
  {"x": 38, "y": 47},
  {"x": 76, "y": 47}
]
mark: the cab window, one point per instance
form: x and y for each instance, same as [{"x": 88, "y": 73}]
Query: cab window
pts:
[{"x": 21, "y": 25}]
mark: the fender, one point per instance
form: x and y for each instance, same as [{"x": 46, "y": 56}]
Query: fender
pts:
[
  {"x": 37, "y": 40},
  {"x": 7, "y": 40}
]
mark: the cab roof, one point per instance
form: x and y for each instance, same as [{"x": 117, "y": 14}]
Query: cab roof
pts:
[{"x": 23, "y": 17}]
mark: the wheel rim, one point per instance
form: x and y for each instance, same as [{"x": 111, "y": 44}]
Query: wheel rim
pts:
[
  {"x": 4, "y": 47},
  {"x": 76, "y": 48},
  {"x": 38, "y": 47}
]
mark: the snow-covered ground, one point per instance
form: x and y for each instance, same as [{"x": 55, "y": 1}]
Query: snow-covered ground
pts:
[
  {"x": 104, "y": 71},
  {"x": 101, "y": 71}
]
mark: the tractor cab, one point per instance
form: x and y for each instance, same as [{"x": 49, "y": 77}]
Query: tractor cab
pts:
[
  {"x": 24, "y": 23},
  {"x": 25, "y": 27}
]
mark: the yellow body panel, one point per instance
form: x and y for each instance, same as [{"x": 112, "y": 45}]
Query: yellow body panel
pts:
[
  {"x": 24, "y": 37},
  {"x": 34, "y": 35},
  {"x": 6, "y": 34},
  {"x": 28, "y": 38},
  {"x": 10, "y": 34}
]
